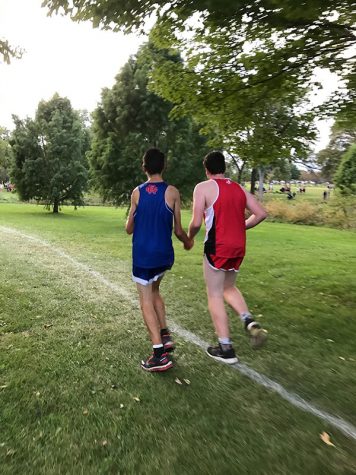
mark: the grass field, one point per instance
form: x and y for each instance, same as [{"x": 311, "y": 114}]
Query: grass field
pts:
[
  {"x": 313, "y": 193},
  {"x": 72, "y": 395},
  {"x": 6, "y": 197}
]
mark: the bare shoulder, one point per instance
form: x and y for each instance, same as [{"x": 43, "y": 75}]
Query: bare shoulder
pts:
[
  {"x": 172, "y": 191},
  {"x": 204, "y": 186},
  {"x": 135, "y": 195}
]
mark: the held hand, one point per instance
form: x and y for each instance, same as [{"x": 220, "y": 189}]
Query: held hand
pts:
[{"x": 189, "y": 244}]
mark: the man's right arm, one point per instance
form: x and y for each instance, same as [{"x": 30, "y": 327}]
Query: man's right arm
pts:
[
  {"x": 131, "y": 218},
  {"x": 198, "y": 211}
]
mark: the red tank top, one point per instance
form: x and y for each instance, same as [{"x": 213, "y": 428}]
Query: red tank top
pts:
[{"x": 225, "y": 221}]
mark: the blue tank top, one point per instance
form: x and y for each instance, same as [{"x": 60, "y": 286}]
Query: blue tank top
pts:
[{"x": 152, "y": 237}]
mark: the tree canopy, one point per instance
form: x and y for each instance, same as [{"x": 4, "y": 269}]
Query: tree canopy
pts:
[
  {"x": 7, "y": 51},
  {"x": 248, "y": 67},
  {"x": 330, "y": 157},
  {"x": 345, "y": 176},
  {"x": 49, "y": 154},
  {"x": 131, "y": 119},
  {"x": 275, "y": 43}
]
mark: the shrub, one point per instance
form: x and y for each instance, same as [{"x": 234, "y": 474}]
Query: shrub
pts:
[{"x": 339, "y": 212}]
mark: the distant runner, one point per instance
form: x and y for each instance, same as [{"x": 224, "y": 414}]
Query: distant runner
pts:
[{"x": 222, "y": 203}]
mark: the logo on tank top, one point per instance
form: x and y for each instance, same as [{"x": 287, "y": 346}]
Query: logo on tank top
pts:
[
  {"x": 228, "y": 182},
  {"x": 151, "y": 189}
]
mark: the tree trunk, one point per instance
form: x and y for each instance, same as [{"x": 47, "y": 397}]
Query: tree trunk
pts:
[
  {"x": 55, "y": 206},
  {"x": 239, "y": 174},
  {"x": 261, "y": 176},
  {"x": 253, "y": 180}
]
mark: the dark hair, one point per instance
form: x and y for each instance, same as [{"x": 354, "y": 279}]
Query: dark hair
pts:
[
  {"x": 153, "y": 161},
  {"x": 214, "y": 162}
]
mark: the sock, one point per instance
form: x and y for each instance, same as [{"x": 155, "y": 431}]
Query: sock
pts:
[
  {"x": 225, "y": 342},
  {"x": 164, "y": 331},
  {"x": 158, "y": 350},
  {"x": 246, "y": 316}
]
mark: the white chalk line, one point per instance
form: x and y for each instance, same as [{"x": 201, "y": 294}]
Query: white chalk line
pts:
[{"x": 343, "y": 426}]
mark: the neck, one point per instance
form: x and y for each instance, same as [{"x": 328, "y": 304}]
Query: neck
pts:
[
  {"x": 155, "y": 178},
  {"x": 218, "y": 175}
]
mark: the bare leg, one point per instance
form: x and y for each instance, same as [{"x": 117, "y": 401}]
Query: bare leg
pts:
[
  {"x": 158, "y": 304},
  {"x": 215, "y": 289},
  {"x": 234, "y": 298},
  {"x": 232, "y": 295},
  {"x": 149, "y": 313}
]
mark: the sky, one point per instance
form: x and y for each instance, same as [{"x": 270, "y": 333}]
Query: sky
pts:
[
  {"x": 61, "y": 56},
  {"x": 73, "y": 59}
]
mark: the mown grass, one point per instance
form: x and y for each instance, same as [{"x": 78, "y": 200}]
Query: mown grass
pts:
[
  {"x": 74, "y": 400},
  {"x": 7, "y": 197}
]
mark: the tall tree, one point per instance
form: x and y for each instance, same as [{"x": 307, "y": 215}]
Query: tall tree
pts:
[
  {"x": 49, "y": 155},
  {"x": 330, "y": 157},
  {"x": 130, "y": 119},
  {"x": 5, "y": 154},
  {"x": 345, "y": 176}
]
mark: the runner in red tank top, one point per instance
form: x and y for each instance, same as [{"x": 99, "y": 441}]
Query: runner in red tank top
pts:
[
  {"x": 222, "y": 203},
  {"x": 225, "y": 239}
]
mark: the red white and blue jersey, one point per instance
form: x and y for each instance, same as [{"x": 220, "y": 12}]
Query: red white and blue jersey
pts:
[
  {"x": 225, "y": 221},
  {"x": 153, "y": 223}
]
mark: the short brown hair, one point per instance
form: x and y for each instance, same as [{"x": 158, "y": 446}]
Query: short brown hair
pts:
[
  {"x": 214, "y": 162},
  {"x": 153, "y": 161}
]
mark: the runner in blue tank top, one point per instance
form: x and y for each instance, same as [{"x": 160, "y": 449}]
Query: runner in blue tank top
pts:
[{"x": 155, "y": 208}]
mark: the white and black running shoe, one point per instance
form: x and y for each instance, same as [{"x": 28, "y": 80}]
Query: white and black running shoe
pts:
[{"x": 226, "y": 356}]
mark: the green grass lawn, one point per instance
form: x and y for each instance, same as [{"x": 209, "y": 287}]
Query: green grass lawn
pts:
[
  {"x": 72, "y": 395},
  {"x": 313, "y": 193},
  {"x": 6, "y": 197}
]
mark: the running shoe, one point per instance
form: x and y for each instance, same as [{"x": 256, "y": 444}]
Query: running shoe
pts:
[
  {"x": 258, "y": 336},
  {"x": 227, "y": 356},
  {"x": 168, "y": 342},
  {"x": 155, "y": 364}
]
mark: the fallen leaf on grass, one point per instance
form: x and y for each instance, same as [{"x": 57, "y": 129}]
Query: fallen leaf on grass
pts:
[
  {"x": 38, "y": 394},
  {"x": 137, "y": 399},
  {"x": 104, "y": 443},
  {"x": 342, "y": 358},
  {"x": 330, "y": 340},
  {"x": 325, "y": 437},
  {"x": 178, "y": 381},
  {"x": 48, "y": 325},
  {"x": 10, "y": 452},
  {"x": 121, "y": 406},
  {"x": 85, "y": 412},
  {"x": 186, "y": 381},
  {"x": 4, "y": 386}
]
